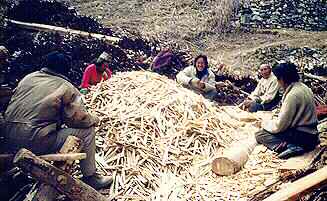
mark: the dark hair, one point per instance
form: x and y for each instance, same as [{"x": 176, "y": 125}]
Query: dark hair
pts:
[
  {"x": 57, "y": 62},
  {"x": 286, "y": 72},
  {"x": 99, "y": 62},
  {"x": 205, "y": 59}
]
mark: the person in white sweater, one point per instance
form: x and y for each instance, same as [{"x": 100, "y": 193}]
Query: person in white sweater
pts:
[
  {"x": 200, "y": 78},
  {"x": 294, "y": 132},
  {"x": 266, "y": 95}
]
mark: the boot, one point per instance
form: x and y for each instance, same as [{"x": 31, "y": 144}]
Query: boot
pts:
[
  {"x": 97, "y": 181},
  {"x": 291, "y": 151}
]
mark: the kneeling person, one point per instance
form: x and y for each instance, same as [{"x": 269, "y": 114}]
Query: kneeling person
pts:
[
  {"x": 294, "y": 132},
  {"x": 42, "y": 103}
]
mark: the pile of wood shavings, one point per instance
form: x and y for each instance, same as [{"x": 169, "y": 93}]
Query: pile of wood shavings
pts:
[{"x": 158, "y": 139}]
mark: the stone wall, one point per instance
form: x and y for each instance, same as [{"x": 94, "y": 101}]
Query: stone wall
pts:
[{"x": 299, "y": 14}]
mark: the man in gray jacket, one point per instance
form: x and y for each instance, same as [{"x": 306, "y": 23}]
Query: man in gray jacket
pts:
[
  {"x": 266, "y": 95},
  {"x": 45, "y": 101},
  {"x": 295, "y": 130}
]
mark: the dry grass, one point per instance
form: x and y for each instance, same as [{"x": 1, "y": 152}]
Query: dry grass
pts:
[{"x": 185, "y": 22}]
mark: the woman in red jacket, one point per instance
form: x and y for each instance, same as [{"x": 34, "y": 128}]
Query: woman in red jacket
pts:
[{"x": 97, "y": 72}]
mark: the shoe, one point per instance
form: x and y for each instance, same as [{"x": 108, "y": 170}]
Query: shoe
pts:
[
  {"x": 97, "y": 181},
  {"x": 291, "y": 151}
]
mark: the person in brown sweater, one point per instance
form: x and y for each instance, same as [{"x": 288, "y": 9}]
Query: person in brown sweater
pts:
[
  {"x": 294, "y": 132},
  {"x": 45, "y": 109}
]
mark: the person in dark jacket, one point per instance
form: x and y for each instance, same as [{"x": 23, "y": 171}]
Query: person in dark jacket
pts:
[{"x": 42, "y": 104}]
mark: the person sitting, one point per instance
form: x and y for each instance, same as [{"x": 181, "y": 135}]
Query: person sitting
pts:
[
  {"x": 266, "y": 95},
  {"x": 200, "y": 78},
  {"x": 45, "y": 109},
  {"x": 294, "y": 132},
  {"x": 166, "y": 62},
  {"x": 97, "y": 72}
]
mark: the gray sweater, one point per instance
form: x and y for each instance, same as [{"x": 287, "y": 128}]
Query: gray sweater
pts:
[{"x": 298, "y": 111}]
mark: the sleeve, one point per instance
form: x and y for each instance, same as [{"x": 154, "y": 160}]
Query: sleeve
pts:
[
  {"x": 255, "y": 95},
  {"x": 86, "y": 78},
  {"x": 285, "y": 117},
  {"x": 271, "y": 92},
  {"x": 75, "y": 114},
  {"x": 185, "y": 76},
  {"x": 109, "y": 73},
  {"x": 210, "y": 82}
]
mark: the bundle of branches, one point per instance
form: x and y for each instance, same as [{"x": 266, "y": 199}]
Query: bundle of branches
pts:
[{"x": 158, "y": 139}]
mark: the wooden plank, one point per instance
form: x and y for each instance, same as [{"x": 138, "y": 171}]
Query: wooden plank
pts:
[
  {"x": 295, "y": 189},
  {"x": 299, "y": 162}
]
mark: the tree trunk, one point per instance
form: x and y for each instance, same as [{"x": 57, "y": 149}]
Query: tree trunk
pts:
[
  {"x": 45, "y": 172},
  {"x": 233, "y": 158}
]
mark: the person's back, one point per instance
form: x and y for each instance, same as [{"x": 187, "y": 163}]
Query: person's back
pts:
[{"x": 27, "y": 103}]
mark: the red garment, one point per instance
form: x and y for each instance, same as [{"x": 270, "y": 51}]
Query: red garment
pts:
[{"x": 91, "y": 76}]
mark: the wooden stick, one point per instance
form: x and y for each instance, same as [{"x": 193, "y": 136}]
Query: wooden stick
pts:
[
  {"x": 50, "y": 28},
  {"x": 295, "y": 189},
  {"x": 43, "y": 171},
  {"x": 50, "y": 157}
]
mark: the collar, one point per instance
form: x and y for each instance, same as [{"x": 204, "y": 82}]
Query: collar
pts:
[{"x": 51, "y": 72}]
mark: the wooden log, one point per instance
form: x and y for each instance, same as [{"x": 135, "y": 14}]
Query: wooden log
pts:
[
  {"x": 295, "y": 189},
  {"x": 316, "y": 77},
  {"x": 61, "y": 30},
  {"x": 50, "y": 157},
  {"x": 46, "y": 192},
  {"x": 45, "y": 172},
  {"x": 234, "y": 158}
]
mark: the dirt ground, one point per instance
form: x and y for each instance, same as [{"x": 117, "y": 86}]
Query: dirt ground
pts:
[{"x": 186, "y": 23}]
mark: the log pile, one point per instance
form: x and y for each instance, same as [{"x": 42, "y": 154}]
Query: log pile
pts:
[
  {"x": 159, "y": 139},
  {"x": 302, "y": 14}
]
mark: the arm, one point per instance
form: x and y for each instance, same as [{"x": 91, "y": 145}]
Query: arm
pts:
[
  {"x": 210, "y": 82},
  {"x": 75, "y": 114},
  {"x": 271, "y": 92},
  {"x": 86, "y": 78},
  {"x": 255, "y": 95},
  {"x": 185, "y": 76},
  {"x": 285, "y": 117}
]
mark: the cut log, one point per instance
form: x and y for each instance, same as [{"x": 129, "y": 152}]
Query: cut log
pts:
[
  {"x": 61, "y": 30},
  {"x": 48, "y": 193},
  {"x": 295, "y": 189},
  {"x": 45, "y": 172},
  {"x": 234, "y": 158}
]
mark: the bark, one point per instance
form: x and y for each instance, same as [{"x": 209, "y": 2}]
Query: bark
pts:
[{"x": 45, "y": 172}]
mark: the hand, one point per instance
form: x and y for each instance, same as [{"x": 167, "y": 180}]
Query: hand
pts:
[{"x": 197, "y": 83}]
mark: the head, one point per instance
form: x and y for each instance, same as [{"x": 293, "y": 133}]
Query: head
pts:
[
  {"x": 265, "y": 70},
  {"x": 286, "y": 74},
  {"x": 4, "y": 54},
  {"x": 57, "y": 62},
  {"x": 201, "y": 62},
  {"x": 102, "y": 62}
]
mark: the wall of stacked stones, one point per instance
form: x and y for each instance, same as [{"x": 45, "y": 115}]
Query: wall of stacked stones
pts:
[{"x": 308, "y": 15}]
